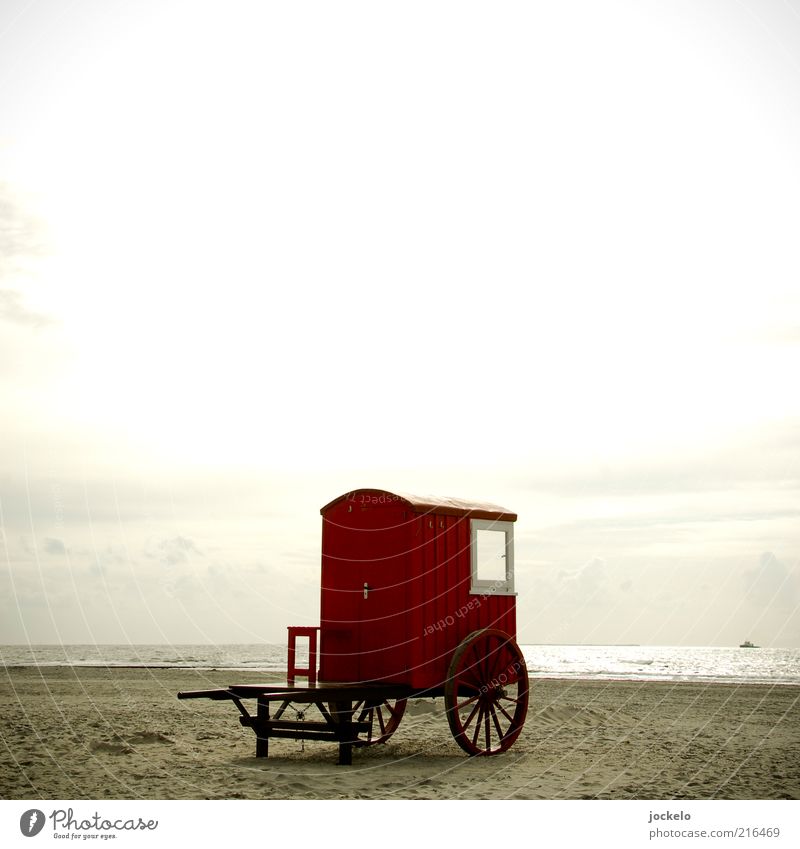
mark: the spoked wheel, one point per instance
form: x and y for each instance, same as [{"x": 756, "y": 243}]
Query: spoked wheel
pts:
[
  {"x": 486, "y": 693},
  {"x": 383, "y": 716}
]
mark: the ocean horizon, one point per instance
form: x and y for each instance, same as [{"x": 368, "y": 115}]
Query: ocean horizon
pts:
[{"x": 582, "y": 662}]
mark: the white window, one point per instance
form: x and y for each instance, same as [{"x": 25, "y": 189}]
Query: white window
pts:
[{"x": 492, "y": 548}]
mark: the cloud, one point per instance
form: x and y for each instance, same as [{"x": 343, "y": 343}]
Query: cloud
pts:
[
  {"x": 780, "y": 334},
  {"x": 176, "y": 550},
  {"x": 753, "y": 457},
  {"x": 45, "y": 495},
  {"x": 586, "y": 584},
  {"x": 20, "y": 232},
  {"x": 13, "y": 310},
  {"x": 54, "y": 546},
  {"x": 20, "y": 241},
  {"x": 772, "y": 584}
]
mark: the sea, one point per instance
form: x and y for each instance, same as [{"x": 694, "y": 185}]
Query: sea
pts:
[{"x": 600, "y": 663}]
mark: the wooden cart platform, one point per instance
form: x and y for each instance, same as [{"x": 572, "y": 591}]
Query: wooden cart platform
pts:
[{"x": 352, "y": 715}]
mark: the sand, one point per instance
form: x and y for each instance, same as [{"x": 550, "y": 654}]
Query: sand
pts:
[{"x": 122, "y": 734}]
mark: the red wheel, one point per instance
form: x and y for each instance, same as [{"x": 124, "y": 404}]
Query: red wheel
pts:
[
  {"x": 486, "y": 693},
  {"x": 383, "y": 716}
]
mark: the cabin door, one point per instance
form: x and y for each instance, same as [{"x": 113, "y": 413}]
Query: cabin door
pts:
[{"x": 380, "y": 555}]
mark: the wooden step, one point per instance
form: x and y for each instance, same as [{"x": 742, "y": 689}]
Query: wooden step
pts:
[
  {"x": 286, "y": 734},
  {"x": 272, "y": 726}
]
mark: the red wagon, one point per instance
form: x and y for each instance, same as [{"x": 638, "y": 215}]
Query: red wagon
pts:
[{"x": 417, "y": 600}]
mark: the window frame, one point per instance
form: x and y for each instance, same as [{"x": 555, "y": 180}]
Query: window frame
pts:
[{"x": 483, "y": 586}]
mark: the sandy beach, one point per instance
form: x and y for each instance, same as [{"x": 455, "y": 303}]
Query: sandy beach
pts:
[{"x": 87, "y": 733}]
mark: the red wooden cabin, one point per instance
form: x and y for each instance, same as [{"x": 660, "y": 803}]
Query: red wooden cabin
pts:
[
  {"x": 417, "y": 600},
  {"x": 405, "y": 579}
]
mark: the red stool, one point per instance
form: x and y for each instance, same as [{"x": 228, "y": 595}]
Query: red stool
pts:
[{"x": 310, "y": 671}]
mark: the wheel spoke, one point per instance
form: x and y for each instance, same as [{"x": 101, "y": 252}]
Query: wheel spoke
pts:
[
  {"x": 485, "y": 668},
  {"x": 471, "y": 675},
  {"x": 503, "y": 711},
  {"x": 471, "y": 716},
  {"x": 478, "y": 726},
  {"x": 497, "y": 663},
  {"x": 461, "y": 705},
  {"x": 380, "y": 720},
  {"x": 370, "y": 713},
  {"x": 512, "y": 673},
  {"x": 488, "y": 731},
  {"x": 496, "y": 723}
]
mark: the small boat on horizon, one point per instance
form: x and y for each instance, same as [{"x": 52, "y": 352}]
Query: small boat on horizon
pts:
[{"x": 748, "y": 645}]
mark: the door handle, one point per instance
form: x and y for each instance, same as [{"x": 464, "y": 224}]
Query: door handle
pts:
[{"x": 366, "y": 589}]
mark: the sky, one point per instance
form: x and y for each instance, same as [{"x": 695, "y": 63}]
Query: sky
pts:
[{"x": 254, "y": 255}]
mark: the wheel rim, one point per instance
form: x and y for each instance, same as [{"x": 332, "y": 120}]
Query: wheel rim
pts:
[
  {"x": 486, "y": 693},
  {"x": 383, "y": 716}
]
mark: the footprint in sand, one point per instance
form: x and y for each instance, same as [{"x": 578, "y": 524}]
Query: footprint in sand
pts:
[
  {"x": 575, "y": 716},
  {"x": 111, "y": 748},
  {"x": 148, "y": 737}
]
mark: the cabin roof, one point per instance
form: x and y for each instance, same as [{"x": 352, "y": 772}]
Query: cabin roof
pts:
[{"x": 439, "y": 504}]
